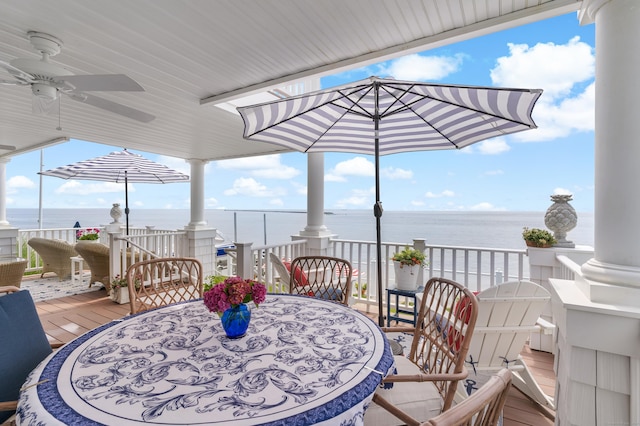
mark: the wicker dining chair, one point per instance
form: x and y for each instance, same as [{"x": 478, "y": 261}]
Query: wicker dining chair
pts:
[
  {"x": 426, "y": 381},
  {"x": 55, "y": 254},
  {"x": 163, "y": 281},
  {"x": 482, "y": 408},
  {"x": 321, "y": 276}
]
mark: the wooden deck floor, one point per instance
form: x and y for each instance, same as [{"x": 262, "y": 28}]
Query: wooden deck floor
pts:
[{"x": 69, "y": 317}]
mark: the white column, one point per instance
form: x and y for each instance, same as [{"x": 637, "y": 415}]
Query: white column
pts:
[
  {"x": 617, "y": 150},
  {"x": 597, "y": 315},
  {"x": 315, "y": 196},
  {"x": 316, "y": 233},
  {"x": 197, "y": 195},
  {"x": 4, "y": 223}
]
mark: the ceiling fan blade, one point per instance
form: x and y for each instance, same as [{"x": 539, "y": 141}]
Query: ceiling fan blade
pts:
[
  {"x": 13, "y": 83},
  {"x": 23, "y": 77},
  {"x": 112, "y": 107},
  {"x": 101, "y": 83}
]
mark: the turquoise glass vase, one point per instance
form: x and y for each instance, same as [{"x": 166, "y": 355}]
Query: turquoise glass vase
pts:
[{"x": 235, "y": 321}]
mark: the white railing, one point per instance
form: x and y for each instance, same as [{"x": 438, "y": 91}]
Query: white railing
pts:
[
  {"x": 255, "y": 262},
  {"x": 141, "y": 246},
  {"x": 474, "y": 267},
  {"x": 568, "y": 269}
]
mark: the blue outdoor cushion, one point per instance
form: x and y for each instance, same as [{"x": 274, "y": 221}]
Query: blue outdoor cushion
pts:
[{"x": 23, "y": 344}]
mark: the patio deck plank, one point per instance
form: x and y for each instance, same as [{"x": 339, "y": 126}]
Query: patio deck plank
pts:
[{"x": 68, "y": 317}]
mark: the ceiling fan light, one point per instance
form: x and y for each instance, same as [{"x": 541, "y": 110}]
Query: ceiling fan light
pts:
[{"x": 44, "y": 91}]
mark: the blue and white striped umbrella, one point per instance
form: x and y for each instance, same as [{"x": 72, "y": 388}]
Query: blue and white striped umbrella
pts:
[
  {"x": 381, "y": 116},
  {"x": 120, "y": 167}
]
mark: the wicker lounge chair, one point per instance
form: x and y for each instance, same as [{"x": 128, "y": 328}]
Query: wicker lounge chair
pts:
[
  {"x": 11, "y": 272},
  {"x": 56, "y": 256},
  {"x": 97, "y": 257}
]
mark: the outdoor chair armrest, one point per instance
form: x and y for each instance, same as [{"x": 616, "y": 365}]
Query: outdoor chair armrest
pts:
[
  {"x": 8, "y": 405},
  {"x": 398, "y": 329},
  {"x": 546, "y": 326}
]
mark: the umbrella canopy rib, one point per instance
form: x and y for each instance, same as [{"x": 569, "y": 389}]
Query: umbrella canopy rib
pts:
[{"x": 459, "y": 115}]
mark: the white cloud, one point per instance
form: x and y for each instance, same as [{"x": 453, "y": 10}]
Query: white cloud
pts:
[
  {"x": 330, "y": 177},
  {"x": 562, "y": 191},
  {"x": 417, "y": 203},
  {"x": 493, "y": 173},
  {"x": 565, "y": 72},
  {"x": 265, "y": 166},
  {"x": 251, "y": 188},
  {"x": 276, "y": 202},
  {"x": 358, "y": 198},
  {"x": 575, "y": 114},
  {"x": 211, "y": 202},
  {"x": 352, "y": 201},
  {"x": 396, "y": 173},
  {"x": 357, "y": 166},
  {"x": 493, "y": 146},
  {"x": 556, "y": 68},
  {"x": 486, "y": 207},
  {"x": 446, "y": 193},
  {"x": 17, "y": 182},
  {"x": 418, "y": 67},
  {"x": 300, "y": 189},
  {"x": 282, "y": 172}
]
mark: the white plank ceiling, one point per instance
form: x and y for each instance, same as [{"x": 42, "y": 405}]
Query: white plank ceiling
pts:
[{"x": 190, "y": 54}]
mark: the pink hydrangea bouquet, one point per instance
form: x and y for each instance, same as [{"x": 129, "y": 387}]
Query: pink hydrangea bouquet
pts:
[{"x": 232, "y": 292}]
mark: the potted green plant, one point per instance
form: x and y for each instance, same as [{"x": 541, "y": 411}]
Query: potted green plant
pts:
[
  {"x": 406, "y": 266},
  {"x": 409, "y": 256},
  {"x": 119, "y": 292},
  {"x": 536, "y": 237}
]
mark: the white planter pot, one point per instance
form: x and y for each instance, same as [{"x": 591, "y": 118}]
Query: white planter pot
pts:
[
  {"x": 119, "y": 295},
  {"x": 406, "y": 276}
]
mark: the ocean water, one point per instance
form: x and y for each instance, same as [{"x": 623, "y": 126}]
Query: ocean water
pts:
[{"x": 471, "y": 229}]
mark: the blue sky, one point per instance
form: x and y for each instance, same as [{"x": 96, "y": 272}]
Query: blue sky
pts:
[{"x": 513, "y": 173}]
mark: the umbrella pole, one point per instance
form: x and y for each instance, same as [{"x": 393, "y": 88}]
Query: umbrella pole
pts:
[
  {"x": 126, "y": 201},
  {"x": 377, "y": 208}
]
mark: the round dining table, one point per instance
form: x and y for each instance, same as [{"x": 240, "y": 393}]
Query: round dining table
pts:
[{"x": 302, "y": 361}]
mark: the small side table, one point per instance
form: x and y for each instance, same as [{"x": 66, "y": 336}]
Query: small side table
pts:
[
  {"x": 77, "y": 267},
  {"x": 409, "y": 294}
]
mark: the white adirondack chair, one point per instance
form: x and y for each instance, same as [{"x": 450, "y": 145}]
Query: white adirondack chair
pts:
[{"x": 507, "y": 314}]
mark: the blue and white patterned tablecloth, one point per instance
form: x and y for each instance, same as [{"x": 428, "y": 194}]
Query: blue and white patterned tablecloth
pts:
[{"x": 303, "y": 361}]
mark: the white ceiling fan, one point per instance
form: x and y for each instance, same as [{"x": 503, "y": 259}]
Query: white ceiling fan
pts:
[{"x": 47, "y": 80}]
